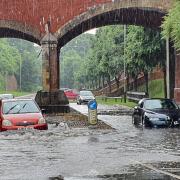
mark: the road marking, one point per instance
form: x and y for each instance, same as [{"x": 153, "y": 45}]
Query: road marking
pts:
[{"x": 158, "y": 170}]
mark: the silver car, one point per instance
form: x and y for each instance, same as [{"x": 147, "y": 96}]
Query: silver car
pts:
[
  {"x": 85, "y": 97},
  {"x": 6, "y": 96}
]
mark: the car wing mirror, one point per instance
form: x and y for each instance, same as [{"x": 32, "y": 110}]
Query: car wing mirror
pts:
[
  {"x": 43, "y": 111},
  {"x": 136, "y": 109}
]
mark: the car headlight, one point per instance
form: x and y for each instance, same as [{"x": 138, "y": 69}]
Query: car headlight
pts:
[
  {"x": 153, "y": 118},
  {"x": 81, "y": 97},
  {"x": 6, "y": 122},
  {"x": 42, "y": 121}
]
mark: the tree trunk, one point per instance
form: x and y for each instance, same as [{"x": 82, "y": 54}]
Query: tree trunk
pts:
[
  {"x": 146, "y": 83},
  {"x": 92, "y": 85},
  {"x": 103, "y": 79},
  {"x": 135, "y": 83},
  {"x": 109, "y": 83},
  {"x": 127, "y": 81},
  {"x": 99, "y": 81},
  {"x": 117, "y": 82}
]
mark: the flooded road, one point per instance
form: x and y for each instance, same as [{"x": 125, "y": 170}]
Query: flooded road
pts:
[{"x": 89, "y": 154}]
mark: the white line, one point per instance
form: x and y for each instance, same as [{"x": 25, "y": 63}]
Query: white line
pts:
[{"x": 158, "y": 170}]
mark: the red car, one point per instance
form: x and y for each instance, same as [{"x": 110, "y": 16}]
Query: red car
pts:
[
  {"x": 71, "y": 94},
  {"x": 21, "y": 113}
]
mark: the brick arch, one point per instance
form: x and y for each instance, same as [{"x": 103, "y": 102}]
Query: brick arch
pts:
[
  {"x": 14, "y": 29},
  {"x": 139, "y": 12}
]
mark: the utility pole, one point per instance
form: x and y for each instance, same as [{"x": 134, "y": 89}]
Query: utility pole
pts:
[
  {"x": 6, "y": 81},
  {"x": 125, "y": 34},
  {"x": 20, "y": 68},
  {"x": 167, "y": 68}
]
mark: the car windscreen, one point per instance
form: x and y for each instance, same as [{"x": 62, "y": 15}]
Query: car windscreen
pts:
[
  {"x": 20, "y": 107},
  {"x": 86, "y": 93},
  {"x": 159, "y": 104}
]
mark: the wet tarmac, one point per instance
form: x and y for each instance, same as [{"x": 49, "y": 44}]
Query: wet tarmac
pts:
[{"x": 126, "y": 152}]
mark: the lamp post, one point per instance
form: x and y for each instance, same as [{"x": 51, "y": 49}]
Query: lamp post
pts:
[
  {"x": 20, "y": 72},
  {"x": 20, "y": 68},
  {"x": 125, "y": 33},
  {"x": 167, "y": 68}
]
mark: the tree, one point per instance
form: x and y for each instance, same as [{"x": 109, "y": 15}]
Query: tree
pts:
[
  {"x": 9, "y": 59},
  {"x": 69, "y": 65},
  {"x": 73, "y": 60},
  {"x": 144, "y": 51},
  {"x": 171, "y": 25},
  {"x": 107, "y": 52},
  {"x": 31, "y": 64}
]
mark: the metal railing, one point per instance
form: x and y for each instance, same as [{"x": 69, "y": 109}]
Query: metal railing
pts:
[{"x": 136, "y": 96}]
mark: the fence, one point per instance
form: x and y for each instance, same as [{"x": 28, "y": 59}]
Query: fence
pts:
[{"x": 136, "y": 96}]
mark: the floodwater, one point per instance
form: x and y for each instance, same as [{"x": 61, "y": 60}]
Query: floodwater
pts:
[{"x": 87, "y": 154}]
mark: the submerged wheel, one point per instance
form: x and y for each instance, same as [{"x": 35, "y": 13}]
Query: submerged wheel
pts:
[{"x": 135, "y": 120}]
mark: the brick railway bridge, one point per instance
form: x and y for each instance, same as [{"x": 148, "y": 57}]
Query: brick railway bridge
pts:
[{"x": 53, "y": 23}]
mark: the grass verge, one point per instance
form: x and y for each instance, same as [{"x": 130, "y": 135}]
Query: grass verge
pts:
[
  {"x": 111, "y": 101},
  {"x": 156, "y": 90}
]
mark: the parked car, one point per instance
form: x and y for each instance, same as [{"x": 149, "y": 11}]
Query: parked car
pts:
[
  {"x": 156, "y": 112},
  {"x": 21, "y": 113},
  {"x": 71, "y": 94},
  {"x": 85, "y": 97},
  {"x": 6, "y": 96}
]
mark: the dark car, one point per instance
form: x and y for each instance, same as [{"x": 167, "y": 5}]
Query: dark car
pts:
[
  {"x": 85, "y": 96},
  {"x": 156, "y": 112}
]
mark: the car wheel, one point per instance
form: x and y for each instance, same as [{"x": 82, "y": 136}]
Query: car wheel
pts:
[{"x": 148, "y": 124}]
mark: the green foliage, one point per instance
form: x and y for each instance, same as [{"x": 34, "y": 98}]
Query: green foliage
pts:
[
  {"x": 20, "y": 56},
  {"x": 108, "y": 50},
  {"x": 73, "y": 61},
  {"x": 171, "y": 24},
  {"x": 9, "y": 60},
  {"x": 88, "y": 61},
  {"x": 144, "y": 50},
  {"x": 69, "y": 68},
  {"x": 30, "y": 64},
  {"x": 9, "y": 57},
  {"x": 112, "y": 102},
  {"x": 156, "y": 88},
  {"x": 106, "y": 57}
]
